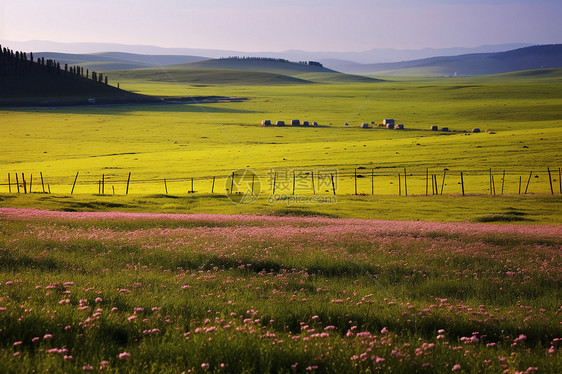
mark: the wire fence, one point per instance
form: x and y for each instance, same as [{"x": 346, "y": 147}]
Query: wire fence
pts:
[{"x": 307, "y": 181}]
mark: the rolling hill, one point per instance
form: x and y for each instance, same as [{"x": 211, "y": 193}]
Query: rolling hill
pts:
[
  {"x": 196, "y": 76},
  {"x": 118, "y": 60},
  {"x": 243, "y": 71},
  {"x": 528, "y": 58}
]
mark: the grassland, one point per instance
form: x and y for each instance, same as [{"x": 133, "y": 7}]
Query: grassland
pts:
[
  {"x": 285, "y": 287},
  {"x": 179, "y": 142},
  {"x": 210, "y": 293}
]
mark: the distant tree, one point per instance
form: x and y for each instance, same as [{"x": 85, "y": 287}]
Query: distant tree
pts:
[
  {"x": 65, "y": 67},
  {"x": 106, "y": 79},
  {"x": 87, "y": 73}
]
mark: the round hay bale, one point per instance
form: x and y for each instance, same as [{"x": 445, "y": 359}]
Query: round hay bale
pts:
[
  {"x": 280, "y": 123},
  {"x": 365, "y": 125},
  {"x": 315, "y": 124},
  {"x": 390, "y": 126},
  {"x": 400, "y": 127},
  {"x": 445, "y": 129},
  {"x": 306, "y": 123},
  {"x": 266, "y": 122},
  {"x": 476, "y": 130},
  {"x": 295, "y": 122},
  {"x": 434, "y": 128}
]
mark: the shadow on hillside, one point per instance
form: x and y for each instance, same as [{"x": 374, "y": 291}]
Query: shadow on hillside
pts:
[{"x": 118, "y": 109}]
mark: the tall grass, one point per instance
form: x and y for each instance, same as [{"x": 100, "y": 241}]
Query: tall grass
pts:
[{"x": 244, "y": 294}]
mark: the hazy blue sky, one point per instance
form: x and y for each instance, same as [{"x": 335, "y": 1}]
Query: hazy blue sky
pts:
[{"x": 276, "y": 25}]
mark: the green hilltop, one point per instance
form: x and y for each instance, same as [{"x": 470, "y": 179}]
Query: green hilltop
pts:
[{"x": 243, "y": 71}]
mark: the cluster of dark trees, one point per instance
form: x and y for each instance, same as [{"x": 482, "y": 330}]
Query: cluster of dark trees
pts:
[
  {"x": 19, "y": 63},
  {"x": 311, "y": 63},
  {"x": 254, "y": 58}
]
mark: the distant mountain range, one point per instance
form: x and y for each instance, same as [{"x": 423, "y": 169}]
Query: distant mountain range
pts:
[
  {"x": 376, "y": 55},
  {"x": 528, "y": 58}
]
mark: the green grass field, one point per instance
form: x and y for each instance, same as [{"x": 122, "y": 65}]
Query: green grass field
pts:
[
  {"x": 243, "y": 294},
  {"x": 290, "y": 282},
  {"x": 179, "y": 142}
]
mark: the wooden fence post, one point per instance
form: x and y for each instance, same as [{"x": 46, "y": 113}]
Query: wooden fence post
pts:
[
  {"x": 443, "y": 182},
  {"x": 49, "y": 188},
  {"x": 355, "y": 179},
  {"x": 493, "y": 186},
  {"x": 519, "y": 185},
  {"x": 294, "y": 182},
  {"x": 192, "y": 191},
  {"x": 274, "y": 179},
  {"x": 24, "y": 184},
  {"x": 491, "y": 193},
  {"x": 312, "y": 178},
  {"x": 399, "y": 186},
  {"x": 528, "y": 181},
  {"x": 128, "y": 181},
  {"x": 503, "y": 180},
  {"x": 232, "y": 183},
  {"x": 405, "y": 183},
  {"x": 426, "y": 180},
  {"x": 550, "y": 180},
  {"x": 432, "y": 185},
  {"x": 42, "y": 183},
  {"x": 213, "y": 186},
  {"x": 30, "y": 182},
  {"x": 103, "y": 184},
  {"x": 462, "y": 184},
  {"x": 253, "y": 177},
  {"x": 113, "y": 188},
  {"x": 74, "y": 184},
  {"x": 333, "y": 184},
  {"x": 17, "y": 183},
  {"x": 165, "y": 186},
  {"x": 372, "y": 182},
  {"x": 9, "y": 183}
]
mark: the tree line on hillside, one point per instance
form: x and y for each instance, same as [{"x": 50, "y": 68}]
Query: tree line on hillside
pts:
[
  {"x": 21, "y": 64},
  {"x": 270, "y": 59}
]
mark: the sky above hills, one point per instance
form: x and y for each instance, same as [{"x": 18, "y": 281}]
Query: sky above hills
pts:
[{"x": 278, "y": 25}]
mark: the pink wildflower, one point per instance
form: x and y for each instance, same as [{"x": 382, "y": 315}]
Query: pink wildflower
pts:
[
  {"x": 124, "y": 355},
  {"x": 456, "y": 367}
]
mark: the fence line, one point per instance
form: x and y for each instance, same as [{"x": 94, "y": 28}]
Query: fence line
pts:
[{"x": 313, "y": 181}]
